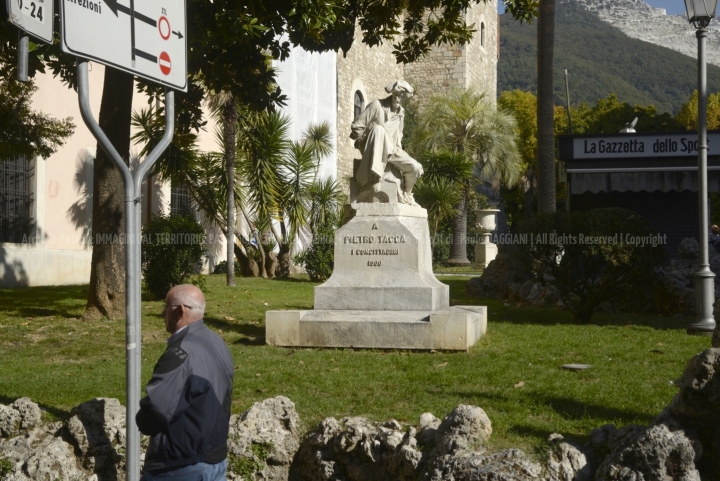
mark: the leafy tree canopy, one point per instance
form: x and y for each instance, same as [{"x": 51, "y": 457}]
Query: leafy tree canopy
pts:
[
  {"x": 229, "y": 41},
  {"x": 687, "y": 117},
  {"x": 24, "y": 131},
  {"x": 609, "y": 115}
]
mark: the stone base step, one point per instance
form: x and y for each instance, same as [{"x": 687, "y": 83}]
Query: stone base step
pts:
[{"x": 454, "y": 328}]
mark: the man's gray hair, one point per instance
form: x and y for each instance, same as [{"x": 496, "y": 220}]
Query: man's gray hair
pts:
[
  {"x": 196, "y": 307},
  {"x": 191, "y": 297},
  {"x": 399, "y": 86}
]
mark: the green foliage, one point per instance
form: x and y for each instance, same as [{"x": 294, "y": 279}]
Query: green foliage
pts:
[
  {"x": 221, "y": 268},
  {"x": 600, "y": 59},
  {"x": 687, "y": 117},
  {"x": 199, "y": 281},
  {"x": 24, "y": 131},
  {"x": 300, "y": 258},
  {"x": 587, "y": 254},
  {"x": 6, "y": 467},
  {"x": 440, "y": 197},
  {"x": 247, "y": 467},
  {"x": 462, "y": 138},
  {"x": 609, "y": 115},
  {"x": 466, "y": 123},
  {"x": 320, "y": 256},
  {"x": 326, "y": 199},
  {"x": 171, "y": 250}
]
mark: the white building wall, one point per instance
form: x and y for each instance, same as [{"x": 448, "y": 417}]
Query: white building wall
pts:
[{"x": 59, "y": 253}]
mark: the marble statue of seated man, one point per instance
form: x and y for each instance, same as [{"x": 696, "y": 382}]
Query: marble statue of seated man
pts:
[{"x": 378, "y": 132}]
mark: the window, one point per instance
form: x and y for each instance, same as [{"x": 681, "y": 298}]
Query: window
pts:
[
  {"x": 180, "y": 200},
  {"x": 16, "y": 198},
  {"x": 359, "y": 103},
  {"x": 482, "y": 34}
]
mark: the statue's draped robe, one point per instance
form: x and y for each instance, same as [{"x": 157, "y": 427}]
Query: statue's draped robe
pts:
[{"x": 378, "y": 133}]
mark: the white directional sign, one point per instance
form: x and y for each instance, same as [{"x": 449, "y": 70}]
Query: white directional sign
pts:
[
  {"x": 145, "y": 38},
  {"x": 33, "y": 16}
]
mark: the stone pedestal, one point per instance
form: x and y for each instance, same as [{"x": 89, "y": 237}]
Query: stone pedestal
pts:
[
  {"x": 382, "y": 293},
  {"x": 484, "y": 253}
]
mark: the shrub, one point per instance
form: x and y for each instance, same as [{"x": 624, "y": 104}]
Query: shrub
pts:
[
  {"x": 221, "y": 268},
  {"x": 299, "y": 258},
  {"x": 172, "y": 248},
  {"x": 589, "y": 256},
  {"x": 320, "y": 257}
]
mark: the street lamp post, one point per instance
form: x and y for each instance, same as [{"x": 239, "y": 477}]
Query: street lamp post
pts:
[{"x": 699, "y": 13}]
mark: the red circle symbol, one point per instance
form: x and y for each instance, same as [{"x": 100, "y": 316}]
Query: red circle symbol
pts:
[
  {"x": 165, "y": 64},
  {"x": 164, "y": 28}
]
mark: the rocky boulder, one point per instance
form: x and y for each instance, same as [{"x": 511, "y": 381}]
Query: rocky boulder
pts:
[
  {"x": 263, "y": 440},
  {"x": 354, "y": 449},
  {"x": 567, "y": 461},
  {"x": 97, "y": 429},
  {"x": 506, "y": 269}
]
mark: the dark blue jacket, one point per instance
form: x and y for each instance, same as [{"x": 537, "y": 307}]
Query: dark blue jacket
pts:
[{"x": 187, "y": 408}]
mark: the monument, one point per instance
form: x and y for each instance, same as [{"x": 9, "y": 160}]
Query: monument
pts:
[{"x": 382, "y": 293}]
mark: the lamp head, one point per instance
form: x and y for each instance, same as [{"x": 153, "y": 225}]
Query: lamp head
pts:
[{"x": 700, "y": 12}]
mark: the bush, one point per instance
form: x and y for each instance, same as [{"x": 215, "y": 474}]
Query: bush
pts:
[
  {"x": 589, "y": 256},
  {"x": 172, "y": 248},
  {"x": 221, "y": 268},
  {"x": 320, "y": 257}
]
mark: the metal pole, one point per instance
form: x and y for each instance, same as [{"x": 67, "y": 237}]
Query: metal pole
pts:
[
  {"x": 567, "y": 97},
  {"x": 132, "y": 182},
  {"x": 23, "y": 53},
  {"x": 704, "y": 278}
]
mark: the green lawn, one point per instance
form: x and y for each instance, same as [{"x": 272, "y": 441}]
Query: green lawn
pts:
[{"x": 50, "y": 355}]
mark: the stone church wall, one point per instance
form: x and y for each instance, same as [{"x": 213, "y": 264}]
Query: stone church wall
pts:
[{"x": 368, "y": 70}]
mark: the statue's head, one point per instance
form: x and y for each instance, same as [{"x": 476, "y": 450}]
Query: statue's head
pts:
[{"x": 400, "y": 90}]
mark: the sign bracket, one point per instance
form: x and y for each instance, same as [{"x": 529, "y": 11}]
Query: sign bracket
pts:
[{"x": 132, "y": 180}]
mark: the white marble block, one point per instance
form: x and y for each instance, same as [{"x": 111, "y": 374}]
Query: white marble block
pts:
[
  {"x": 382, "y": 293},
  {"x": 383, "y": 262}
]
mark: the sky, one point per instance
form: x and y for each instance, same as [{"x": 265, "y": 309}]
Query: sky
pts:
[{"x": 672, "y": 7}]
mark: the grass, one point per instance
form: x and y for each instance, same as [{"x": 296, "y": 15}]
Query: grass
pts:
[
  {"x": 52, "y": 356},
  {"x": 458, "y": 270}
]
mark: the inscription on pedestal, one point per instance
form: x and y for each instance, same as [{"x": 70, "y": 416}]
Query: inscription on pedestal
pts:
[{"x": 385, "y": 240}]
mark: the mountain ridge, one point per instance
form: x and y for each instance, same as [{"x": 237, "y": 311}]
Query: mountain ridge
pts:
[{"x": 601, "y": 59}]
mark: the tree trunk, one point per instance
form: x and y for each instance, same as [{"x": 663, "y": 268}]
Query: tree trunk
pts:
[
  {"x": 243, "y": 260},
  {"x": 106, "y": 296},
  {"x": 230, "y": 116},
  {"x": 283, "y": 257},
  {"x": 529, "y": 193},
  {"x": 458, "y": 248},
  {"x": 546, "y": 106}
]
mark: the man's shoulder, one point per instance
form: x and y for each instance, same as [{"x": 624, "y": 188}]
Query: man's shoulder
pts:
[
  {"x": 203, "y": 337},
  {"x": 173, "y": 357}
]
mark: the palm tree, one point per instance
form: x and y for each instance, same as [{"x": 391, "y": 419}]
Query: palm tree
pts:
[
  {"x": 468, "y": 130},
  {"x": 326, "y": 198},
  {"x": 440, "y": 197},
  {"x": 546, "y": 106}
]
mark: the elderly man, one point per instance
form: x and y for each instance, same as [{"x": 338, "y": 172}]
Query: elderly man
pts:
[
  {"x": 378, "y": 132},
  {"x": 187, "y": 408}
]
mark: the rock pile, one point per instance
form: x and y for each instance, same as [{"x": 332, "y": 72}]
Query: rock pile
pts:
[
  {"x": 682, "y": 443},
  {"x": 355, "y": 449}
]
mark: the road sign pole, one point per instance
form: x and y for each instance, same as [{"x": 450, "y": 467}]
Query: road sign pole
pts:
[
  {"x": 23, "y": 53},
  {"x": 132, "y": 181}
]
